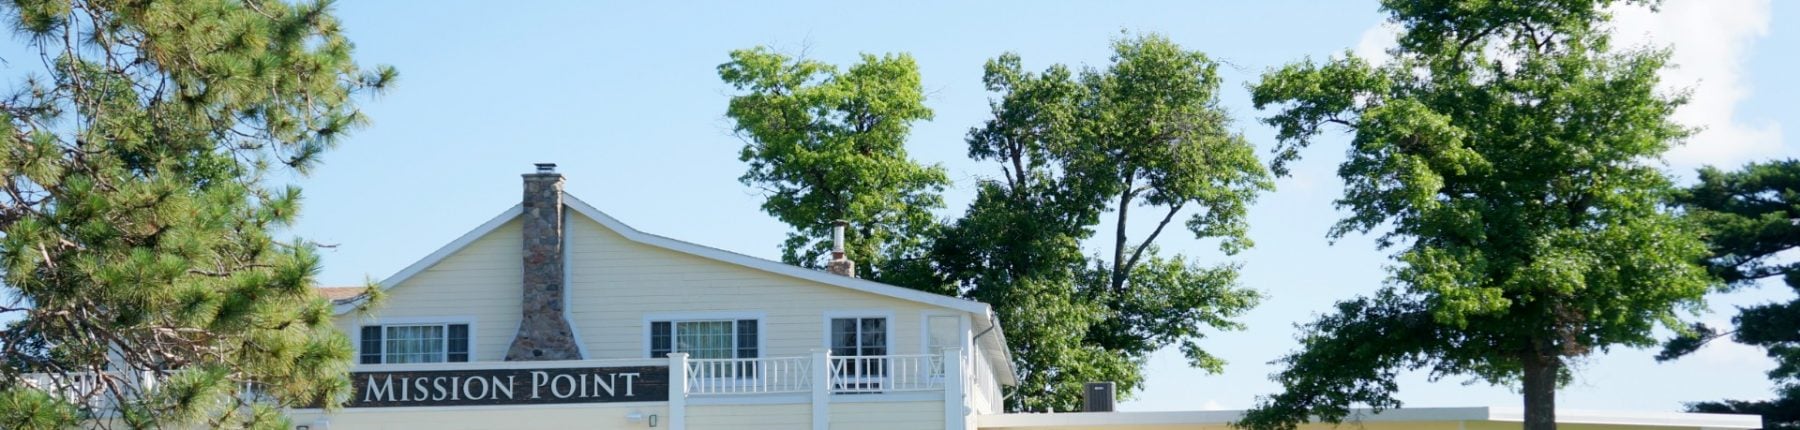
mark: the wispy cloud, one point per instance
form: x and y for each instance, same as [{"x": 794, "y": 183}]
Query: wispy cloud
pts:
[{"x": 1709, "y": 42}]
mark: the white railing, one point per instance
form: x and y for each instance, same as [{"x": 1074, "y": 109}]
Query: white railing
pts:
[
  {"x": 749, "y": 375},
  {"x": 983, "y": 388},
  {"x": 99, "y": 391},
  {"x": 886, "y": 373}
]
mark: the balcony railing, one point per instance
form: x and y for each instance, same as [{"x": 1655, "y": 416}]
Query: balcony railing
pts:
[
  {"x": 842, "y": 374},
  {"x": 749, "y": 375},
  {"x": 97, "y": 391},
  {"x": 886, "y": 373}
]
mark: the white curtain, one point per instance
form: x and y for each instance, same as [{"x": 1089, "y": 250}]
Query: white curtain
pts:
[
  {"x": 414, "y": 344},
  {"x": 705, "y": 339}
]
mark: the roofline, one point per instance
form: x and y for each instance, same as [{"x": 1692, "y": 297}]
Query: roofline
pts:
[
  {"x": 1660, "y": 419},
  {"x": 978, "y": 309},
  {"x": 778, "y": 268},
  {"x": 437, "y": 256},
  {"x": 634, "y": 235}
]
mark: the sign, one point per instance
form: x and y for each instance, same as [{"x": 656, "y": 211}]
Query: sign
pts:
[{"x": 509, "y": 386}]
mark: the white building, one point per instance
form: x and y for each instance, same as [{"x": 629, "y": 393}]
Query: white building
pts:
[{"x": 555, "y": 315}]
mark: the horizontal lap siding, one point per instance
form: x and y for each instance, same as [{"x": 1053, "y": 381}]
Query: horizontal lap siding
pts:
[
  {"x": 481, "y": 281},
  {"x": 888, "y": 415},
  {"x": 749, "y": 417},
  {"x": 472, "y": 418},
  {"x": 615, "y": 282}
]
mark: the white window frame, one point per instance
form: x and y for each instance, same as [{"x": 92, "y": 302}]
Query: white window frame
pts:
[
  {"x": 762, "y": 332},
  {"x": 356, "y": 336},
  {"x": 885, "y": 380},
  {"x": 888, "y": 344},
  {"x": 962, "y": 330}
]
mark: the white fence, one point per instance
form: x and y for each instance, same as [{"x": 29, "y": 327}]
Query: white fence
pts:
[
  {"x": 99, "y": 391},
  {"x": 749, "y": 375},
  {"x": 887, "y": 373},
  {"x": 843, "y": 374}
]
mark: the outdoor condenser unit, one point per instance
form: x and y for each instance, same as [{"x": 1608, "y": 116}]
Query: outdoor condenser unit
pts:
[{"x": 1097, "y": 397}]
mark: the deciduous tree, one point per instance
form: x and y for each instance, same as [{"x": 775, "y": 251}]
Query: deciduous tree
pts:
[
  {"x": 1508, "y": 155},
  {"x": 827, "y": 145},
  {"x": 1146, "y": 134},
  {"x": 139, "y": 224}
]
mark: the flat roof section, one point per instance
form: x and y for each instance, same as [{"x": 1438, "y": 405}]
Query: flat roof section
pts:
[{"x": 1473, "y": 418}]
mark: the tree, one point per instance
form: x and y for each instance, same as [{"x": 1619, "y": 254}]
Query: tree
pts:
[
  {"x": 827, "y": 146},
  {"x": 138, "y": 222},
  {"x": 1145, "y": 133},
  {"x": 1749, "y": 216},
  {"x": 1508, "y": 155}
]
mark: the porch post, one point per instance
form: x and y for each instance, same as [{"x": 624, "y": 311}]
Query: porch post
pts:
[
  {"x": 678, "y": 391},
  {"x": 821, "y": 389},
  {"x": 954, "y": 403}
]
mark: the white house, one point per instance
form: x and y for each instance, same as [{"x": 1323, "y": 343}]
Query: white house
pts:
[{"x": 555, "y": 315}]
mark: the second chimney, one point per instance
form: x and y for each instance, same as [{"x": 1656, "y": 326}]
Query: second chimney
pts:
[
  {"x": 839, "y": 264},
  {"x": 544, "y": 333}
]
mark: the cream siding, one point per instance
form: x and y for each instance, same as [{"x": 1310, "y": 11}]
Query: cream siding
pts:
[
  {"x": 616, "y": 282},
  {"x": 586, "y": 416},
  {"x": 750, "y": 417},
  {"x": 478, "y": 284},
  {"x": 923, "y": 415}
]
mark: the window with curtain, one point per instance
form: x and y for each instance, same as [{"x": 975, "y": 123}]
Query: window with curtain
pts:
[
  {"x": 707, "y": 339},
  {"x": 704, "y": 339},
  {"x": 414, "y": 343}
]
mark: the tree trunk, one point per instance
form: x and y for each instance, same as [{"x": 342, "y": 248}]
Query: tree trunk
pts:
[
  {"x": 1119, "y": 269},
  {"x": 1540, "y": 391}
]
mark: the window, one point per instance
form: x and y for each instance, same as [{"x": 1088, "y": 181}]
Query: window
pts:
[
  {"x": 858, "y": 336},
  {"x": 704, "y": 339},
  {"x": 855, "y": 344},
  {"x": 942, "y": 331},
  {"x": 415, "y": 343}
]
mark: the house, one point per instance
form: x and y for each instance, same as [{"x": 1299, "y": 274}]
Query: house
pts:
[{"x": 555, "y": 315}]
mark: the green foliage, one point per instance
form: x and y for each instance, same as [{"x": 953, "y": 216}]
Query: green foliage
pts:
[
  {"x": 1782, "y": 413},
  {"x": 826, "y": 145},
  {"x": 1508, "y": 155},
  {"x": 1749, "y": 216},
  {"x": 1145, "y": 133},
  {"x": 137, "y": 221}
]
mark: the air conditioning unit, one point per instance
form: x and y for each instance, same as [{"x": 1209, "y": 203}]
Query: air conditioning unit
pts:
[{"x": 1097, "y": 397}]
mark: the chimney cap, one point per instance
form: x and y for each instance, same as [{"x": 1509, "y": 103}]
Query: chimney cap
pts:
[{"x": 545, "y": 167}]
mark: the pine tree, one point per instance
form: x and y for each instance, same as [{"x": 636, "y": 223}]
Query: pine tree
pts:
[{"x": 139, "y": 221}]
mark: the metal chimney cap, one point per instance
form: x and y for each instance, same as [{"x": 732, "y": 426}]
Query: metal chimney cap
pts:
[{"x": 545, "y": 167}]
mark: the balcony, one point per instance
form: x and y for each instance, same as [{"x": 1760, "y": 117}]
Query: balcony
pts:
[
  {"x": 829, "y": 378},
  {"x": 97, "y": 393}
]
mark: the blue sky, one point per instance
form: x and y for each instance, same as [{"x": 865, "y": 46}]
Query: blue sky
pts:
[{"x": 625, "y": 98}]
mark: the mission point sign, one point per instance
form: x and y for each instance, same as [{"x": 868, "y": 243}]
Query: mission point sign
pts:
[{"x": 510, "y": 386}]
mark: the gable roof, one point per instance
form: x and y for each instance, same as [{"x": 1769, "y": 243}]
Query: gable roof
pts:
[
  {"x": 982, "y": 316},
  {"x": 340, "y": 294}
]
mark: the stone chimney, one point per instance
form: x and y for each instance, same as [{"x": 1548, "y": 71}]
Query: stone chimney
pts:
[
  {"x": 839, "y": 264},
  {"x": 544, "y": 333}
]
